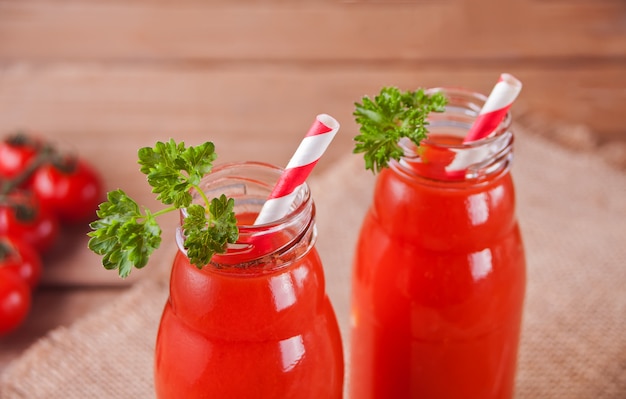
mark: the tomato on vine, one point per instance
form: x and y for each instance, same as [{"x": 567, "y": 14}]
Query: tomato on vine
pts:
[
  {"x": 70, "y": 188},
  {"x": 22, "y": 259},
  {"x": 22, "y": 217},
  {"x": 15, "y": 301},
  {"x": 17, "y": 152}
]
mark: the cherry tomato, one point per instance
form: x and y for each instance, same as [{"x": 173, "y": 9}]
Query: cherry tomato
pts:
[
  {"x": 22, "y": 217},
  {"x": 71, "y": 189},
  {"x": 22, "y": 259},
  {"x": 15, "y": 301},
  {"x": 16, "y": 152}
]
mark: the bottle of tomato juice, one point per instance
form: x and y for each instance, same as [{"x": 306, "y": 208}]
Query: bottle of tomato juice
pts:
[
  {"x": 256, "y": 322},
  {"x": 439, "y": 269}
]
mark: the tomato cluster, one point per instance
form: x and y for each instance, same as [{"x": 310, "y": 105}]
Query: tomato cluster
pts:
[{"x": 41, "y": 190}]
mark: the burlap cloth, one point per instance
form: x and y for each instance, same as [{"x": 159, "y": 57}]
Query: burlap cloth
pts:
[{"x": 572, "y": 209}]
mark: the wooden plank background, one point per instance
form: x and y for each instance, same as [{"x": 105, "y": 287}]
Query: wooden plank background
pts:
[
  {"x": 65, "y": 63},
  {"x": 107, "y": 77}
]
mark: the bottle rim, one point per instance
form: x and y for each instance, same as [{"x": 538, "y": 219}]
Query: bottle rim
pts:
[
  {"x": 269, "y": 245},
  {"x": 471, "y": 161},
  {"x": 471, "y": 102}
]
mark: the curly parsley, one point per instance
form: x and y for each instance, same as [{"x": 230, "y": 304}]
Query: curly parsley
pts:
[
  {"x": 126, "y": 236},
  {"x": 389, "y": 117}
]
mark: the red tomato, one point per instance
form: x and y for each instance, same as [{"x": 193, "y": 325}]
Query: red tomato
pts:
[
  {"x": 22, "y": 259},
  {"x": 16, "y": 152},
  {"x": 21, "y": 217},
  {"x": 72, "y": 190},
  {"x": 15, "y": 301}
]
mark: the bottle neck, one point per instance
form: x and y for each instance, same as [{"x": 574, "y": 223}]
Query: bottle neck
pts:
[
  {"x": 444, "y": 158},
  {"x": 263, "y": 248}
]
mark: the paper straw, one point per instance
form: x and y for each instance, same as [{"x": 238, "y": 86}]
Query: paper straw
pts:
[
  {"x": 489, "y": 118},
  {"x": 298, "y": 169},
  {"x": 495, "y": 108}
]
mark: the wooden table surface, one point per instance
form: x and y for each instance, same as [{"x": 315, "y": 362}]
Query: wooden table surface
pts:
[{"x": 106, "y": 78}]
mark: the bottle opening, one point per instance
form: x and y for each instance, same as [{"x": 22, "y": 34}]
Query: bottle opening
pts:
[
  {"x": 268, "y": 245},
  {"x": 444, "y": 157}
]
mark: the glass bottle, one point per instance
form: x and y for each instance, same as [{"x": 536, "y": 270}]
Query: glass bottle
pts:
[
  {"x": 256, "y": 321},
  {"x": 439, "y": 269}
]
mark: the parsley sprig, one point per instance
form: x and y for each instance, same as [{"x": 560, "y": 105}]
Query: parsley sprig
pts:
[
  {"x": 389, "y": 117},
  {"x": 125, "y": 235}
]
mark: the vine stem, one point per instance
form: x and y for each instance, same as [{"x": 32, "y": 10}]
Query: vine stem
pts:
[{"x": 46, "y": 154}]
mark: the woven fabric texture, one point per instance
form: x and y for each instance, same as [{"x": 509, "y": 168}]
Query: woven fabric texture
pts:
[{"x": 572, "y": 211}]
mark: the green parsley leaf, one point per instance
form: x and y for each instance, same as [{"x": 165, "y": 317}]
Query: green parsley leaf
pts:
[
  {"x": 123, "y": 235},
  {"x": 126, "y": 237},
  {"x": 174, "y": 170},
  {"x": 209, "y": 234},
  {"x": 391, "y": 116}
]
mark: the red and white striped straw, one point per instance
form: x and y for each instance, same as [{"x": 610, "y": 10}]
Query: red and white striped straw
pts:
[
  {"x": 495, "y": 108},
  {"x": 310, "y": 150}
]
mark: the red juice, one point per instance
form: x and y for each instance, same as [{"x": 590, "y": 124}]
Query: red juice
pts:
[
  {"x": 256, "y": 324},
  {"x": 438, "y": 281}
]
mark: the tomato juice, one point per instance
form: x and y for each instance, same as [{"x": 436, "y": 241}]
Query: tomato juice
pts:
[
  {"x": 438, "y": 280},
  {"x": 256, "y": 323}
]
